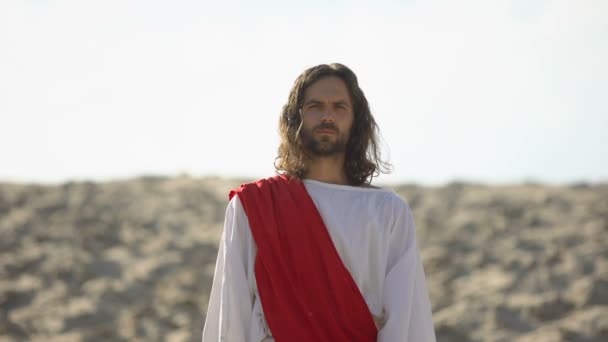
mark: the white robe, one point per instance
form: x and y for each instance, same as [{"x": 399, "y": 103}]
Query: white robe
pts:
[{"x": 374, "y": 233}]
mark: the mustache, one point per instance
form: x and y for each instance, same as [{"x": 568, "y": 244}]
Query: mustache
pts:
[{"x": 328, "y": 126}]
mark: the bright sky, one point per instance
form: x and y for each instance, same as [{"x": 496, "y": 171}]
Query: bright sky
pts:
[{"x": 491, "y": 91}]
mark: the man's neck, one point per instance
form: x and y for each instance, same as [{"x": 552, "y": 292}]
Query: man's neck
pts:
[{"x": 328, "y": 170}]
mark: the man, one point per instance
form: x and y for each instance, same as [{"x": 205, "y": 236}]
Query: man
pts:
[{"x": 316, "y": 253}]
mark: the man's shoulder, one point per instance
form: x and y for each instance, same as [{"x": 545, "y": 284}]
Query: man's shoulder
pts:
[
  {"x": 255, "y": 190},
  {"x": 383, "y": 197},
  {"x": 280, "y": 178},
  {"x": 396, "y": 201},
  {"x": 386, "y": 195},
  {"x": 370, "y": 186},
  {"x": 248, "y": 185}
]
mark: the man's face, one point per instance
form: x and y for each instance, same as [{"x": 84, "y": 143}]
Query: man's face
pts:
[{"x": 327, "y": 117}]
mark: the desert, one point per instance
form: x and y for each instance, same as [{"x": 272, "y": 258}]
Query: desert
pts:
[{"x": 133, "y": 259}]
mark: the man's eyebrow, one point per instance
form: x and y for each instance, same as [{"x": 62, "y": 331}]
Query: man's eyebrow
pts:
[
  {"x": 342, "y": 102},
  {"x": 309, "y": 101},
  {"x": 315, "y": 101}
]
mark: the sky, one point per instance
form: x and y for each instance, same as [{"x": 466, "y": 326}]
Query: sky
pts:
[{"x": 484, "y": 91}]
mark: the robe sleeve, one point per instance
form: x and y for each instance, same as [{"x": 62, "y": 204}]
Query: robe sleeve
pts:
[
  {"x": 231, "y": 300},
  {"x": 405, "y": 295}
]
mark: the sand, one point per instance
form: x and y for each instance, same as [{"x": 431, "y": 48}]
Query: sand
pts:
[{"x": 134, "y": 259}]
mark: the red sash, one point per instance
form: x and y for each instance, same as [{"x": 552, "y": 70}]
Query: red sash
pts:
[{"x": 307, "y": 293}]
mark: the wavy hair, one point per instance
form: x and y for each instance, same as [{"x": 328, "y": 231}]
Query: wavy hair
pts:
[{"x": 362, "y": 159}]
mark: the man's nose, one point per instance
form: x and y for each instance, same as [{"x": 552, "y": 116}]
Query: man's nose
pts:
[{"x": 329, "y": 114}]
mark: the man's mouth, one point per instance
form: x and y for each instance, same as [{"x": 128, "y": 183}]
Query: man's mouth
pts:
[{"x": 326, "y": 131}]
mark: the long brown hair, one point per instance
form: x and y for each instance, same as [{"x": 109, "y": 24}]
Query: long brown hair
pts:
[{"x": 362, "y": 159}]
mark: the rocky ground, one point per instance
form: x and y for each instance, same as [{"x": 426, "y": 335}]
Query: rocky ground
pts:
[{"x": 132, "y": 260}]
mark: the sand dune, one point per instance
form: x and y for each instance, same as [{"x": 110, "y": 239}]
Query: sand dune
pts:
[{"x": 133, "y": 259}]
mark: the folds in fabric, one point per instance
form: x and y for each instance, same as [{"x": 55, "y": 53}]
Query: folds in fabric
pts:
[{"x": 307, "y": 294}]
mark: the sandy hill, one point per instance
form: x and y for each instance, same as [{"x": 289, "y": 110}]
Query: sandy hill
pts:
[{"x": 133, "y": 259}]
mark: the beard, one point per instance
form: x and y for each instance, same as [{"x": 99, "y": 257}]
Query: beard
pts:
[{"x": 324, "y": 145}]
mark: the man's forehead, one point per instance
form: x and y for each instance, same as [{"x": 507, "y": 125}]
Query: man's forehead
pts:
[{"x": 331, "y": 87}]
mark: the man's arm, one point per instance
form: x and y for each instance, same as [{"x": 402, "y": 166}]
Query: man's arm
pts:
[
  {"x": 231, "y": 299},
  {"x": 405, "y": 296}
]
